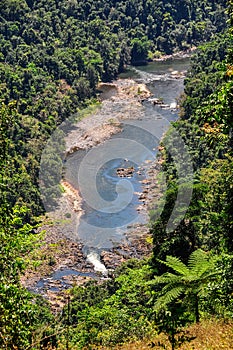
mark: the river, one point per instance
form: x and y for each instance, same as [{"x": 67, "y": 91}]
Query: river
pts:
[{"x": 110, "y": 200}]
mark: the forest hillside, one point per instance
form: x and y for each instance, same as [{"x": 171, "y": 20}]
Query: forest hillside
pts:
[{"x": 53, "y": 54}]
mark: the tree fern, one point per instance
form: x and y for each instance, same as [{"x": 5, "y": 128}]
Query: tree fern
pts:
[
  {"x": 189, "y": 280},
  {"x": 176, "y": 264},
  {"x": 166, "y": 278},
  {"x": 198, "y": 259},
  {"x": 169, "y": 297}
]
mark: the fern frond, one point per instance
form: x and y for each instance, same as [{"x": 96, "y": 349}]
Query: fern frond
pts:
[
  {"x": 204, "y": 270},
  {"x": 197, "y": 259},
  {"x": 166, "y": 278},
  {"x": 169, "y": 287},
  {"x": 176, "y": 264},
  {"x": 209, "y": 276},
  {"x": 167, "y": 298},
  {"x": 190, "y": 280}
]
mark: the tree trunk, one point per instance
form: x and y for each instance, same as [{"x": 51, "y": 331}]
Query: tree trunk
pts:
[
  {"x": 197, "y": 309},
  {"x": 173, "y": 342},
  {"x": 173, "y": 332}
]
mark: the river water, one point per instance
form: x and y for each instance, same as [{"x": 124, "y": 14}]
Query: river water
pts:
[{"x": 110, "y": 202}]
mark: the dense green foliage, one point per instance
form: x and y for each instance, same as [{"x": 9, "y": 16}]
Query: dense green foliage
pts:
[
  {"x": 52, "y": 55},
  {"x": 166, "y": 293},
  {"x": 20, "y": 312},
  {"x": 205, "y": 125},
  {"x": 117, "y": 310}
]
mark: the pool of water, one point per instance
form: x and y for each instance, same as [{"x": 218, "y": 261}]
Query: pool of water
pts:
[{"x": 58, "y": 280}]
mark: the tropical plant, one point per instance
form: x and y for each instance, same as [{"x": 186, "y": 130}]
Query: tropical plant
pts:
[{"x": 186, "y": 282}]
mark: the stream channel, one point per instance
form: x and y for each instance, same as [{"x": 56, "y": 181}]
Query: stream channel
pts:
[{"x": 110, "y": 206}]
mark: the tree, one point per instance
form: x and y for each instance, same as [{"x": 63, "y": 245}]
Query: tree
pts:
[
  {"x": 20, "y": 312},
  {"x": 139, "y": 50},
  {"x": 186, "y": 281}
]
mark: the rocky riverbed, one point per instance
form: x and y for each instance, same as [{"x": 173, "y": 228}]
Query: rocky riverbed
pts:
[
  {"x": 61, "y": 255},
  {"x": 59, "y": 262}
]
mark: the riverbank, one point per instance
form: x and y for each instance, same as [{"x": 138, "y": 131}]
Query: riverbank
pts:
[
  {"x": 177, "y": 55},
  {"x": 60, "y": 263},
  {"x": 95, "y": 129},
  {"x": 61, "y": 249}
]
